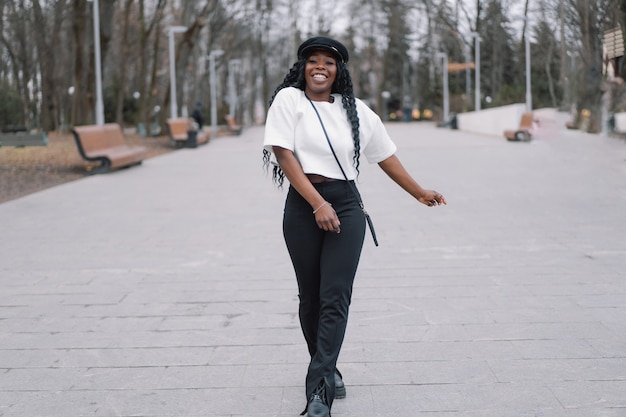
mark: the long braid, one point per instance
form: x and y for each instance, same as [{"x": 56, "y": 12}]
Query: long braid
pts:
[
  {"x": 343, "y": 86},
  {"x": 295, "y": 78},
  {"x": 349, "y": 103}
]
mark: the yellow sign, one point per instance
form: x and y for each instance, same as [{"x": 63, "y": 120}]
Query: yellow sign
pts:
[{"x": 459, "y": 66}]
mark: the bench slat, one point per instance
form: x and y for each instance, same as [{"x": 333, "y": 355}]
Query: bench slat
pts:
[
  {"x": 107, "y": 145},
  {"x": 177, "y": 129},
  {"x": 232, "y": 125},
  {"x": 524, "y": 132}
]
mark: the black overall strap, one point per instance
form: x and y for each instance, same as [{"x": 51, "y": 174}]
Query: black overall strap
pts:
[{"x": 350, "y": 184}]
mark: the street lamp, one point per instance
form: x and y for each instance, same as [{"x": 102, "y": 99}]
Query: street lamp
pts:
[
  {"x": 386, "y": 96},
  {"x": 446, "y": 94},
  {"x": 173, "y": 104},
  {"x": 476, "y": 36},
  {"x": 68, "y": 108},
  {"x": 468, "y": 79},
  {"x": 96, "y": 41},
  {"x": 529, "y": 97},
  {"x": 569, "y": 77},
  {"x": 213, "y": 81},
  {"x": 233, "y": 67}
]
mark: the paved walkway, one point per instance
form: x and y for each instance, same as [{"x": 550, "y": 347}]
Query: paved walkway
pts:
[{"x": 166, "y": 290}]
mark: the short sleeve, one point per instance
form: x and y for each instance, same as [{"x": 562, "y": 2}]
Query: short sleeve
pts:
[
  {"x": 379, "y": 145},
  {"x": 281, "y": 121}
]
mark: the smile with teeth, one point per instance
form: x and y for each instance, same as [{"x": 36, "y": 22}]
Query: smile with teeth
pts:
[{"x": 319, "y": 76}]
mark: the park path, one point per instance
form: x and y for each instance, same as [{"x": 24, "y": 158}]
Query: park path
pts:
[{"x": 166, "y": 290}]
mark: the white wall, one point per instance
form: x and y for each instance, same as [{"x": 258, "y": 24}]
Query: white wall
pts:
[{"x": 492, "y": 121}]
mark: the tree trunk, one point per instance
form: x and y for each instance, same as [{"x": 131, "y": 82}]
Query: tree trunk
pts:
[
  {"x": 152, "y": 99},
  {"x": 564, "y": 80},
  {"x": 79, "y": 29},
  {"x": 23, "y": 68},
  {"x": 107, "y": 17},
  {"x": 622, "y": 24},
  {"x": 549, "y": 73},
  {"x": 46, "y": 38},
  {"x": 147, "y": 99},
  {"x": 121, "y": 85},
  {"x": 591, "y": 54}
]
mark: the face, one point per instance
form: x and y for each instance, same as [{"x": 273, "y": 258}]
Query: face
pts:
[{"x": 320, "y": 72}]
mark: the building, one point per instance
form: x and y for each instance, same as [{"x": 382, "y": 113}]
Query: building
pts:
[{"x": 613, "y": 52}]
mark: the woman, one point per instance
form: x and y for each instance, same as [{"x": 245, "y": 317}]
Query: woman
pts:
[{"x": 313, "y": 110}]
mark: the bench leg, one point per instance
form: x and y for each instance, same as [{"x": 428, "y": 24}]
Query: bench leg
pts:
[
  {"x": 105, "y": 166},
  {"x": 522, "y": 136}
]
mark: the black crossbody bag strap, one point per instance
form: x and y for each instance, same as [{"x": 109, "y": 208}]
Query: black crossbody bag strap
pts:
[{"x": 350, "y": 184}]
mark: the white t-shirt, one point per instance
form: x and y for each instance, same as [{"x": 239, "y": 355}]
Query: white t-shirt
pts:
[{"x": 292, "y": 124}]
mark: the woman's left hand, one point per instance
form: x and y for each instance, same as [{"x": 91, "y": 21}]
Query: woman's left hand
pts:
[
  {"x": 393, "y": 167},
  {"x": 432, "y": 198}
]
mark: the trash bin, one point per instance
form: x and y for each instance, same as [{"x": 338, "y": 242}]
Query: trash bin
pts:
[{"x": 192, "y": 139}]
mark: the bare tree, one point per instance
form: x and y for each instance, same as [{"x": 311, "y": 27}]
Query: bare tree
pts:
[
  {"x": 47, "y": 40},
  {"x": 120, "y": 87},
  {"x": 392, "y": 42},
  {"x": 82, "y": 89},
  {"x": 396, "y": 52},
  {"x": 147, "y": 74},
  {"x": 21, "y": 56},
  {"x": 587, "y": 20}
]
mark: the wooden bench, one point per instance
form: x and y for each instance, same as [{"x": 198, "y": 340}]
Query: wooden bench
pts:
[
  {"x": 233, "y": 127},
  {"x": 21, "y": 139},
  {"x": 525, "y": 130},
  {"x": 106, "y": 144},
  {"x": 181, "y": 130}
]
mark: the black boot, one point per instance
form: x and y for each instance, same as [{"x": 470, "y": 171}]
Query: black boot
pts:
[
  {"x": 318, "y": 406},
  {"x": 340, "y": 387}
]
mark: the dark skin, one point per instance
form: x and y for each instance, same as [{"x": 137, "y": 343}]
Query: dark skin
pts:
[{"x": 320, "y": 73}]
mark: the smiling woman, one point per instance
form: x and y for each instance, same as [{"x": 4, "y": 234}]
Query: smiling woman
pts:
[
  {"x": 320, "y": 73},
  {"x": 315, "y": 133}
]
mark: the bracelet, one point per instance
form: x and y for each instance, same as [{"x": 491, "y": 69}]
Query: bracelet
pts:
[{"x": 323, "y": 204}]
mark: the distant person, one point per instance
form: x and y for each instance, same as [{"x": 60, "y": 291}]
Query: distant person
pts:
[
  {"x": 324, "y": 224},
  {"x": 196, "y": 115}
]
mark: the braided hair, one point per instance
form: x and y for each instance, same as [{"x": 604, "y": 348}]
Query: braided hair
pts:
[{"x": 343, "y": 86}]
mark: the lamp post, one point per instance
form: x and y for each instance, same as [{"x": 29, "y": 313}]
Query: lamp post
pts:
[
  {"x": 468, "y": 78},
  {"x": 68, "y": 108},
  {"x": 233, "y": 67},
  {"x": 569, "y": 76},
  {"x": 529, "y": 96},
  {"x": 386, "y": 95},
  {"x": 96, "y": 41},
  {"x": 173, "y": 104},
  {"x": 446, "y": 94},
  {"x": 213, "y": 81},
  {"x": 476, "y": 37}
]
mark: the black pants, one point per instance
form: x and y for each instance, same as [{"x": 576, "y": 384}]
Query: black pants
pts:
[{"x": 325, "y": 264}]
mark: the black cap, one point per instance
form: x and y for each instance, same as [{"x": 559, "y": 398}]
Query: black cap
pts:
[{"x": 327, "y": 44}]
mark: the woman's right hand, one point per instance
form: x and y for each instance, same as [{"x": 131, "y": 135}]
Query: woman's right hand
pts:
[
  {"x": 324, "y": 213},
  {"x": 327, "y": 219}
]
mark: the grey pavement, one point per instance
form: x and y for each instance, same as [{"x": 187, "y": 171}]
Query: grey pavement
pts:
[{"x": 166, "y": 290}]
